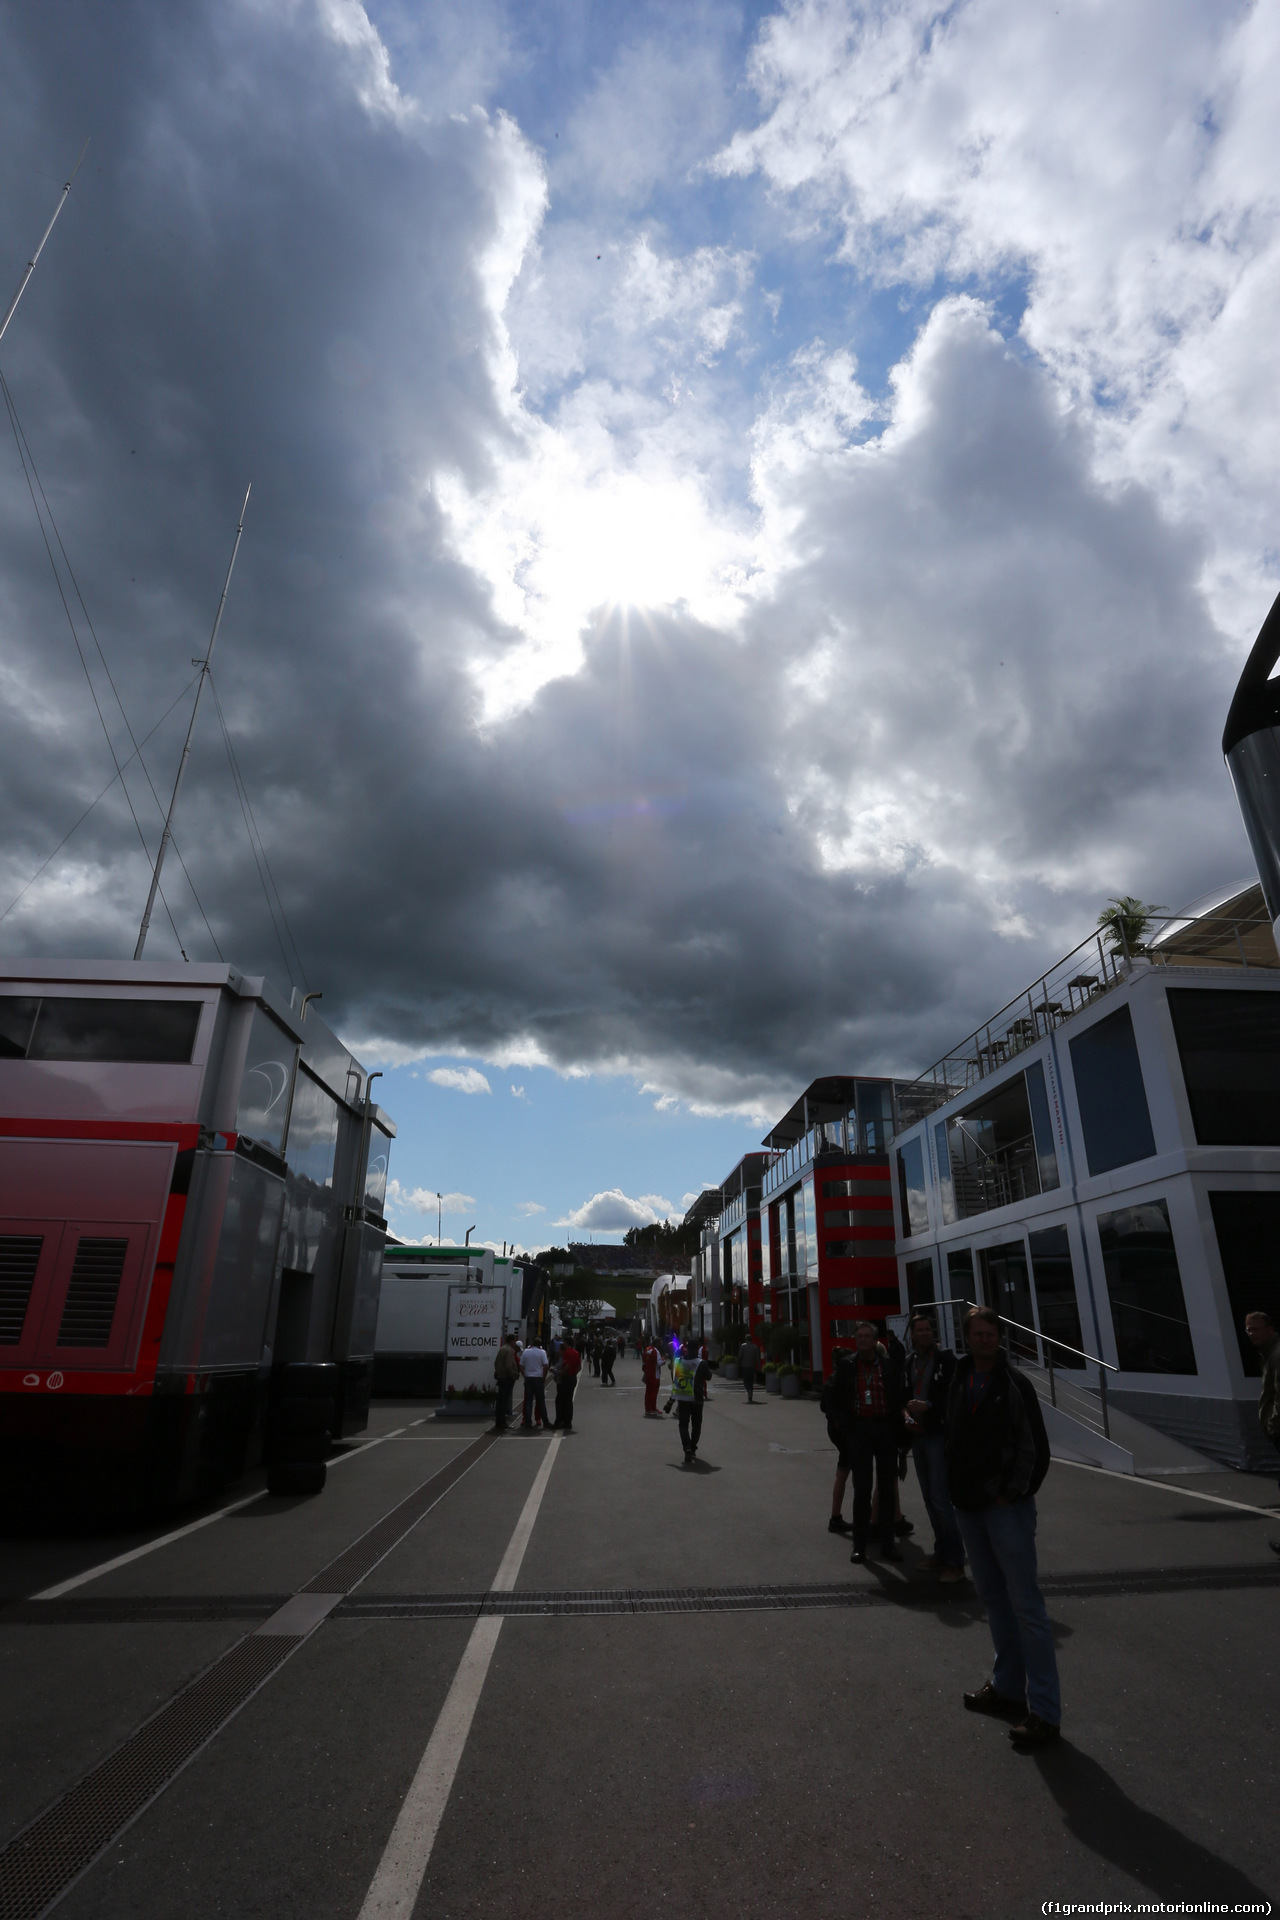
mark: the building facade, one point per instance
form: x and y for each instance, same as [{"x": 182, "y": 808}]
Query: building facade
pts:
[{"x": 1101, "y": 1164}]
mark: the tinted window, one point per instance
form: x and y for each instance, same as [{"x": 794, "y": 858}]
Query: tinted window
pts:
[
  {"x": 915, "y": 1201},
  {"x": 133, "y": 1030},
  {"x": 991, "y": 1150},
  {"x": 1055, "y": 1285},
  {"x": 1112, "y": 1098},
  {"x": 313, "y": 1132},
  {"x": 1248, "y": 1230},
  {"x": 1046, "y": 1153},
  {"x": 1144, "y": 1286},
  {"x": 1009, "y": 1292},
  {"x": 17, "y": 1017},
  {"x": 263, "y": 1108},
  {"x": 919, "y": 1282},
  {"x": 946, "y": 1186},
  {"x": 375, "y": 1179},
  {"x": 1229, "y": 1044}
]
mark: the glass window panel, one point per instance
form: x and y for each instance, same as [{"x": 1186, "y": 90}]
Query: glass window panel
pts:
[
  {"x": 919, "y": 1283},
  {"x": 17, "y": 1017},
  {"x": 1144, "y": 1286},
  {"x": 1042, "y": 1127},
  {"x": 992, "y": 1152},
  {"x": 1229, "y": 1045},
  {"x": 313, "y": 1132},
  {"x": 1248, "y": 1230},
  {"x": 375, "y": 1179},
  {"x": 1009, "y": 1292},
  {"x": 1055, "y": 1284},
  {"x": 156, "y": 1031},
  {"x": 267, "y": 1083},
  {"x": 809, "y": 1250},
  {"x": 1111, "y": 1094},
  {"x": 915, "y": 1200},
  {"x": 946, "y": 1184}
]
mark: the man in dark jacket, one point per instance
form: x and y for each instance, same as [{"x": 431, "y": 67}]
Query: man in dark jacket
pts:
[
  {"x": 930, "y": 1369},
  {"x": 872, "y": 1415},
  {"x": 997, "y": 1456}
]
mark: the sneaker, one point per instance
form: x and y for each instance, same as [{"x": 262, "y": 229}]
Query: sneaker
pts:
[
  {"x": 987, "y": 1700},
  {"x": 903, "y": 1526},
  {"x": 950, "y": 1575},
  {"x": 858, "y": 1557},
  {"x": 1032, "y": 1733},
  {"x": 838, "y": 1525}
]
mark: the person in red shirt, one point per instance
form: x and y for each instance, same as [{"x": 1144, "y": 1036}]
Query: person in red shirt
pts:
[
  {"x": 651, "y": 1367},
  {"x": 566, "y": 1385}
]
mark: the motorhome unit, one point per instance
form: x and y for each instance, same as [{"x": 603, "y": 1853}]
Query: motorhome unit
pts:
[
  {"x": 413, "y": 1312},
  {"x": 192, "y": 1181}
]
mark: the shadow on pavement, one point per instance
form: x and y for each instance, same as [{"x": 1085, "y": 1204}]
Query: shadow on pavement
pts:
[
  {"x": 694, "y": 1466},
  {"x": 1103, "y": 1817}
]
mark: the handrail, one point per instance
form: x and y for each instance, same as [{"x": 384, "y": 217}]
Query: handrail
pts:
[{"x": 1050, "y": 1341}]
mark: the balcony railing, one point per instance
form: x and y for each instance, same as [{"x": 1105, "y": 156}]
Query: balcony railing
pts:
[{"x": 1086, "y": 974}]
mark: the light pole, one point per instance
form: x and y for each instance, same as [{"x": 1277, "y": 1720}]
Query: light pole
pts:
[{"x": 439, "y": 1213}]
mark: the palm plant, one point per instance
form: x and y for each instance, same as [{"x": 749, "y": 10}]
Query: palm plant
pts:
[{"x": 1126, "y": 921}]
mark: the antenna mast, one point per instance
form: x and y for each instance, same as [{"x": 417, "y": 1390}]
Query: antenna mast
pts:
[
  {"x": 31, "y": 264},
  {"x": 167, "y": 835}
]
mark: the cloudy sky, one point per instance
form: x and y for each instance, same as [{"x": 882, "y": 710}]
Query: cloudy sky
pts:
[{"x": 757, "y": 514}]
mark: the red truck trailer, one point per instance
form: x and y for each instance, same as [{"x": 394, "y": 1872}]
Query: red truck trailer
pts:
[{"x": 192, "y": 1182}]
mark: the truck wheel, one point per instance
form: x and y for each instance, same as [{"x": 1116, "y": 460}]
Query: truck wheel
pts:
[{"x": 296, "y": 1476}]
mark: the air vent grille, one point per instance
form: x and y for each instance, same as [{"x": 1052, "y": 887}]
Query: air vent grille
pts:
[
  {"x": 91, "y": 1297},
  {"x": 19, "y": 1258}
]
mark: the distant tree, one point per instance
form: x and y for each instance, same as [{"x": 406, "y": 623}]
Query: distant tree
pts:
[
  {"x": 664, "y": 1236},
  {"x": 1126, "y": 922}
]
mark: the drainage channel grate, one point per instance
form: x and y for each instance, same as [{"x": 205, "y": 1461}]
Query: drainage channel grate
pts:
[
  {"x": 425, "y": 1606},
  {"x": 41, "y": 1863},
  {"x": 358, "y": 1560}
]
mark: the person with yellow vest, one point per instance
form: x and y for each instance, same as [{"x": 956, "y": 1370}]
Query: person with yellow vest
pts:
[{"x": 690, "y": 1372}]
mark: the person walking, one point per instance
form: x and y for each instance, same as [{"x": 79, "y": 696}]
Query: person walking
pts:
[
  {"x": 533, "y": 1365},
  {"x": 567, "y": 1371},
  {"x": 875, "y": 1425},
  {"x": 608, "y": 1354},
  {"x": 930, "y": 1369},
  {"x": 506, "y": 1371},
  {"x": 997, "y": 1456},
  {"x": 748, "y": 1366},
  {"x": 836, "y": 1402},
  {"x": 689, "y": 1377},
  {"x": 1265, "y": 1336},
  {"x": 651, "y": 1372}
]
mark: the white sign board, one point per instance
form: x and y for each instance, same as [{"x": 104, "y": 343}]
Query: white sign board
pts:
[{"x": 473, "y": 1335}]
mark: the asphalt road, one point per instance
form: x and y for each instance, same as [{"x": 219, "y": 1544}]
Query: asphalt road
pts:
[{"x": 720, "y": 1756}]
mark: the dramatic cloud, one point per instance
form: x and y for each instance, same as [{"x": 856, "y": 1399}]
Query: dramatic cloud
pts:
[
  {"x": 728, "y": 590},
  {"x": 615, "y": 1212}
]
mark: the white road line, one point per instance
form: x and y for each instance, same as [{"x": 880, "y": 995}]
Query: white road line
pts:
[
  {"x": 192, "y": 1526},
  {"x": 1188, "y": 1493},
  {"x": 398, "y": 1881}
]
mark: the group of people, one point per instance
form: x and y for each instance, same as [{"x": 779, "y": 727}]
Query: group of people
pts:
[
  {"x": 561, "y": 1363},
  {"x": 973, "y": 1426}
]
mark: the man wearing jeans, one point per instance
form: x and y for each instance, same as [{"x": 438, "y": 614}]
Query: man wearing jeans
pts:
[
  {"x": 533, "y": 1365},
  {"x": 929, "y": 1372},
  {"x": 997, "y": 1456}
]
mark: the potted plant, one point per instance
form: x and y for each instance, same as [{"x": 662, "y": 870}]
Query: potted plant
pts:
[
  {"x": 772, "y": 1383},
  {"x": 791, "y": 1382},
  {"x": 728, "y": 1366}
]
